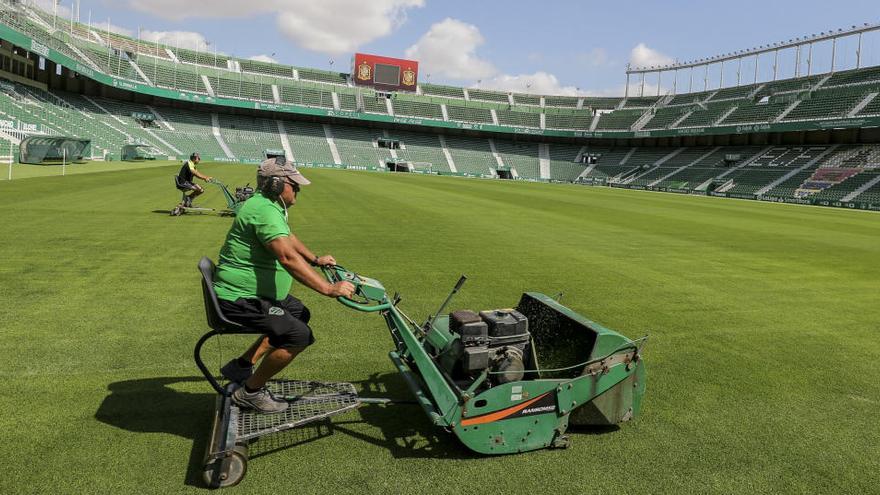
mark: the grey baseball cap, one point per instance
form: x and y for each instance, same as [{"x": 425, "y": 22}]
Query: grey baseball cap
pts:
[{"x": 279, "y": 167}]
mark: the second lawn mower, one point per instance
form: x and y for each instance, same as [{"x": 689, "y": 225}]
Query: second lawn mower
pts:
[{"x": 233, "y": 201}]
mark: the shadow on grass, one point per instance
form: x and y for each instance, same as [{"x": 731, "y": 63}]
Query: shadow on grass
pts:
[{"x": 154, "y": 405}]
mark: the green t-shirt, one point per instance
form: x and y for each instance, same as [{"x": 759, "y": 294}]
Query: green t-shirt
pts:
[{"x": 247, "y": 269}]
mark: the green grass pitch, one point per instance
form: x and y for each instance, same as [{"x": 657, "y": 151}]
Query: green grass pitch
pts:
[{"x": 763, "y": 372}]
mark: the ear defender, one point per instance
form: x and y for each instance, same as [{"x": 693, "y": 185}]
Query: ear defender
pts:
[{"x": 271, "y": 187}]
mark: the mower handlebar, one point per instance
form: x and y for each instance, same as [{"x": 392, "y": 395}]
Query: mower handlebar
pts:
[{"x": 369, "y": 290}]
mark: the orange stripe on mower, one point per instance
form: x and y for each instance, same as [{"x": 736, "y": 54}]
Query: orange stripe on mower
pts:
[{"x": 504, "y": 413}]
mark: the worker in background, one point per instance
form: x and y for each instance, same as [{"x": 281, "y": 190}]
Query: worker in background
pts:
[{"x": 185, "y": 179}]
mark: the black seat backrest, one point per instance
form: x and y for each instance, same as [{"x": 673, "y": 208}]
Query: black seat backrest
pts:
[{"x": 216, "y": 320}]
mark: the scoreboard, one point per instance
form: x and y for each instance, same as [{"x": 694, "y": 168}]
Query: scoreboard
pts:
[{"x": 384, "y": 73}]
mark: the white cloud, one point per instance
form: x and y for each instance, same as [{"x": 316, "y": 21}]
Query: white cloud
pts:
[
  {"x": 642, "y": 56},
  {"x": 540, "y": 83},
  {"x": 449, "y": 49},
  {"x": 334, "y": 27},
  {"x": 263, "y": 58},
  {"x": 178, "y": 39},
  {"x": 339, "y": 27}
]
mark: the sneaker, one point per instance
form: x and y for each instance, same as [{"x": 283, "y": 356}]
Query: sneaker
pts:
[
  {"x": 233, "y": 372},
  {"x": 261, "y": 401}
]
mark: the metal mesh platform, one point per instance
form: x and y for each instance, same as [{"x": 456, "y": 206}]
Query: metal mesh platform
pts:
[{"x": 309, "y": 401}]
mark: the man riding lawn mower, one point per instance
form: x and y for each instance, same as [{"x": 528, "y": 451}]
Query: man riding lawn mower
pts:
[
  {"x": 258, "y": 263},
  {"x": 184, "y": 182}
]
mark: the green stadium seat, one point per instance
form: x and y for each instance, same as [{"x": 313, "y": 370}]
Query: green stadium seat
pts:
[
  {"x": 469, "y": 114},
  {"x": 435, "y": 90},
  {"x": 521, "y": 119},
  {"x": 471, "y": 155}
]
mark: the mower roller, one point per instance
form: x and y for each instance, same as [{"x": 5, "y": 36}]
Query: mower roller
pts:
[{"x": 504, "y": 381}]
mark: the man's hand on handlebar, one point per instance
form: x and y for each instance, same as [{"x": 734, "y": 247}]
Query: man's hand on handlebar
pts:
[
  {"x": 342, "y": 289},
  {"x": 326, "y": 260}
]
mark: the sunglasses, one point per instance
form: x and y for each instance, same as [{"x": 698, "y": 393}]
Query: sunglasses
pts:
[{"x": 293, "y": 184}]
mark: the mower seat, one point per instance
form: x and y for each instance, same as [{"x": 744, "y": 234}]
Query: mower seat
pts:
[
  {"x": 216, "y": 320},
  {"x": 219, "y": 324}
]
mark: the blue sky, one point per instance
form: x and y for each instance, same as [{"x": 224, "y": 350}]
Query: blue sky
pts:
[{"x": 551, "y": 46}]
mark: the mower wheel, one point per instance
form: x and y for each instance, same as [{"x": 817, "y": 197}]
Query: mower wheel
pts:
[{"x": 234, "y": 472}]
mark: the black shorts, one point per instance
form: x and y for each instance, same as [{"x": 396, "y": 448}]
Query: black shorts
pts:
[
  {"x": 183, "y": 185},
  {"x": 284, "y": 322}
]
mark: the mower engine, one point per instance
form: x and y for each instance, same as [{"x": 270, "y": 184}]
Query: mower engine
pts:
[
  {"x": 496, "y": 341},
  {"x": 243, "y": 194}
]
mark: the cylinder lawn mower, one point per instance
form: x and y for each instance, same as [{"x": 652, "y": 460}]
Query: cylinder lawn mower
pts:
[
  {"x": 503, "y": 381},
  {"x": 233, "y": 201},
  {"x": 509, "y": 380}
]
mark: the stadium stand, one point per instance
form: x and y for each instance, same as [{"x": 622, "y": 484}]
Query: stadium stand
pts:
[
  {"x": 569, "y": 120},
  {"x": 621, "y": 119},
  {"x": 523, "y": 157},
  {"x": 748, "y": 112},
  {"x": 523, "y": 119},
  {"x": 435, "y": 90},
  {"x": 562, "y": 162},
  {"x": 561, "y": 101},
  {"x": 309, "y": 144},
  {"x": 307, "y": 96},
  {"x": 423, "y": 151},
  {"x": 357, "y": 146},
  {"x": 374, "y": 103},
  {"x": 855, "y": 76},
  {"x": 479, "y": 94},
  {"x": 665, "y": 117},
  {"x": 597, "y": 103},
  {"x": 826, "y": 103},
  {"x": 323, "y": 76},
  {"x": 249, "y": 137},
  {"x": 872, "y": 108},
  {"x": 469, "y": 114},
  {"x": 828, "y": 172},
  {"x": 640, "y": 102},
  {"x": 706, "y": 115},
  {"x": 610, "y": 164},
  {"x": 689, "y": 98},
  {"x": 471, "y": 155},
  {"x": 734, "y": 92},
  {"x": 416, "y": 108}
]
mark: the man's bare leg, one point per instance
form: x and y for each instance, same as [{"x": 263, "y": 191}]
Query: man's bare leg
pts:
[
  {"x": 272, "y": 364},
  {"x": 257, "y": 350}
]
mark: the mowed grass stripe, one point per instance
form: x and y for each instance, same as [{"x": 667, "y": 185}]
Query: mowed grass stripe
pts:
[{"x": 761, "y": 362}]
